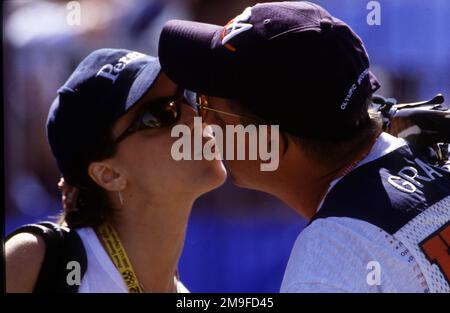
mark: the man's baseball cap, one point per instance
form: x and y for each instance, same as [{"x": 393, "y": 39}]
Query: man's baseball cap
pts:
[
  {"x": 104, "y": 86},
  {"x": 292, "y": 63}
]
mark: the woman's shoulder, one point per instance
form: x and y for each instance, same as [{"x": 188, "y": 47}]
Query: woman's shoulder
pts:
[
  {"x": 24, "y": 255},
  {"x": 37, "y": 256}
]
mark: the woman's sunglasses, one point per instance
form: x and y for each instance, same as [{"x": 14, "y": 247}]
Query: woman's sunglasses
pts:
[{"x": 159, "y": 113}]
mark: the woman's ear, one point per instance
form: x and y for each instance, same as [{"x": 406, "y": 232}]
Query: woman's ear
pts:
[{"x": 104, "y": 174}]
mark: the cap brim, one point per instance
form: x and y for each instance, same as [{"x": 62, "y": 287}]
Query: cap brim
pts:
[
  {"x": 143, "y": 82},
  {"x": 189, "y": 58}
]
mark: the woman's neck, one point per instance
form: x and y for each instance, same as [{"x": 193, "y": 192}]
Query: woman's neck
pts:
[{"x": 153, "y": 238}]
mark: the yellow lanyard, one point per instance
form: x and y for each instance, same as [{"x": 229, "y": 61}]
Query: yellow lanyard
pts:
[{"x": 116, "y": 252}]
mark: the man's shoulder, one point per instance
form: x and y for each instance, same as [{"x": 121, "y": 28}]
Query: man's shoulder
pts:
[
  {"x": 389, "y": 191},
  {"x": 334, "y": 251},
  {"x": 337, "y": 254},
  {"x": 337, "y": 234}
]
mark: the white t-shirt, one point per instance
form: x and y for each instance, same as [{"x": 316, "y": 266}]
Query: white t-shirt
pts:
[
  {"x": 341, "y": 254},
  {"x": 101, "y": 275}
]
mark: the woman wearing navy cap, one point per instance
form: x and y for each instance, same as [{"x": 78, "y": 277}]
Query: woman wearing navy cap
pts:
[{"x": 124, "y": 195}]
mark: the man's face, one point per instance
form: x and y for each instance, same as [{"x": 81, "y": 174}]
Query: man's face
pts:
[{"x": 247, "y": 172}]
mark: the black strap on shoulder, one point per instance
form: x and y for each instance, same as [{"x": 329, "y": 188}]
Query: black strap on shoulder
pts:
[{"x": 63, "y": 245}]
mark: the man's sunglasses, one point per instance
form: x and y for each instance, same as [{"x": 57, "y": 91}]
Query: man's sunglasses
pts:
[
  {"x": 202, "y": 105},
  {"x": 159, "y": 113}
]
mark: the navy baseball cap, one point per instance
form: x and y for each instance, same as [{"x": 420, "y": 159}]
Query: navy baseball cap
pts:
[
  {"x": 292, "y": 63},
  {"x": 103, "y": 87}
]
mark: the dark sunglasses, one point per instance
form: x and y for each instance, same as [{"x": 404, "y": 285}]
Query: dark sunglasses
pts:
[{"x": 159, "y": 113}]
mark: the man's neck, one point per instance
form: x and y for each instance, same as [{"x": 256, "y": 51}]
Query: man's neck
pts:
[
  {"x": 302, "y": 182},
  {"x": 302, "y": 190}
]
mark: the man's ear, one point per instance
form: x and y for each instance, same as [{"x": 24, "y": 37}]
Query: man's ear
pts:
[
  {"x": 289, "y": 141},
  {"x": 104, "y": 174}
]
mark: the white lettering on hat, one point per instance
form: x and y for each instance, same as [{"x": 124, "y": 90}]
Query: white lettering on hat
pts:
[
  {"x": 111, "y": 71},
  {"x": 237, "y": 26},
  {"x": 353, "y": 88}
]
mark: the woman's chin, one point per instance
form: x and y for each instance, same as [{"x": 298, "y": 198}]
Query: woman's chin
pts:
[{"x": 215, "y": 175}]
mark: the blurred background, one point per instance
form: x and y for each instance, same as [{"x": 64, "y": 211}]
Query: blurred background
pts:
[{"x": 237, "y": 240}]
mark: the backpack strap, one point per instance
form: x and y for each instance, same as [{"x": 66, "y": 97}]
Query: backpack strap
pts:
[{"x": 63, "y": 245}]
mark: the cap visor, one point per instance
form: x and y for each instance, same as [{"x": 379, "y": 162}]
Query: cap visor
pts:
[
  {"x": 143, "y": 82},
  {"x": 188, "y": 57}
]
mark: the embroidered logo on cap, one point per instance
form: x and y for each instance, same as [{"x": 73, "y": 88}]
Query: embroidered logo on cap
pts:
[
  {"x": 353, "y": 88},
  {"x": 111, "y": 71},
  {"x": 235, "y": 27}
]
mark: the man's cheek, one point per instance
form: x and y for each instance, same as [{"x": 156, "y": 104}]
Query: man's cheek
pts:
[{"x": 212, "y": 118}]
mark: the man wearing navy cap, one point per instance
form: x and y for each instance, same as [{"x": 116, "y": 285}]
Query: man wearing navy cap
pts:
[{"x": 378, "y": 210}]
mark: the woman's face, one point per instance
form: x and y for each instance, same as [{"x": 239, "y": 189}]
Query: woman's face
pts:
[{"x": 144, "y": 157}]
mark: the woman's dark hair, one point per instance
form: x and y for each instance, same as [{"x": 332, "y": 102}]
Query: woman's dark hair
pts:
[{"x": 92, "y": 206}]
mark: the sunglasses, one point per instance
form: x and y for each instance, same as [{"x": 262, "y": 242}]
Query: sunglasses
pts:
[
  {"x": 159, "y": 113},
  {"x": 165, "y": 112},
  {"x": 201, "y": 103}
]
